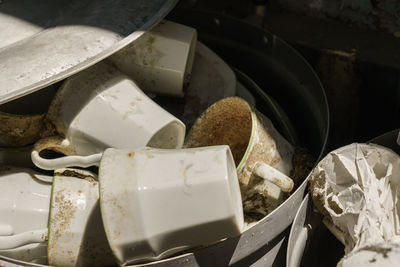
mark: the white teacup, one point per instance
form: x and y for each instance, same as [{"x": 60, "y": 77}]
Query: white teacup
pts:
[
  {"x": 24, "y": 213},
  {"x": 160, "y": 60},
  {"x": 158, "y": 202},
  {"x": 100, "y": 108}
]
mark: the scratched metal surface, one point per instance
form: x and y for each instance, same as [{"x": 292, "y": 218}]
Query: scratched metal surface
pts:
[{"x": 44, "y": 41}]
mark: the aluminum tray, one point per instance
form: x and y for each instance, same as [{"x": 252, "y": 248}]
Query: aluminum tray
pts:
[{"x": 45, "y": 41}]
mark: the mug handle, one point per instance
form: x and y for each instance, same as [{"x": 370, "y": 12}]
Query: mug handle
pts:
[
  {"x": 59, "y": 144},
  {"x": 272, "y": 175},
  {"x": 21, "y": 239}
]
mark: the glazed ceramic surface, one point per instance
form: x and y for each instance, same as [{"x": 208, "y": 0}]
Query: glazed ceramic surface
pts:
[
  {"x": 160, "y": 60},
  {"x": 157, "y": 202},
  {"x": 24, "y": 209},
  {"x": 76, "y": 233},
  {"x": 111, "y": 111}
]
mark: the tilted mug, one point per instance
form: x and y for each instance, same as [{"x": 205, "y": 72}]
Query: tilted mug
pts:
[
  {"x": 262, "y": 155},
  {"x": 100, "y": 108}
]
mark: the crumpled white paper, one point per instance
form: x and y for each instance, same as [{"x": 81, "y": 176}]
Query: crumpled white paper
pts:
[{"x": 357, "y": 188}]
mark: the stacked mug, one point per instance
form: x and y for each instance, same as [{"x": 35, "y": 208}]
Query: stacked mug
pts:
[{"x": 151, "y": 197}]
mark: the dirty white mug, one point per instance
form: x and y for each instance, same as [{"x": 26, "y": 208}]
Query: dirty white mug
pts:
[
  {"x": 24, "y": 212},
  {"x": 76, "y": 235},
  {"x": 262, "y": 155},
  {"x": 160, "y": 60},
  {"x": 156, "y": 202},
  {"x": 100, "y": 108},
  {"x": 57, "y": 222}
]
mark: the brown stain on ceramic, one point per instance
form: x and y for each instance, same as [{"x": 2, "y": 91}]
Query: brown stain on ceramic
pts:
[
  {"x": 227, "y": 122},
  {"x": 131, "y": 154},
  {"x": 60, "y": 221},
  {"x": 75, "y": 174}
]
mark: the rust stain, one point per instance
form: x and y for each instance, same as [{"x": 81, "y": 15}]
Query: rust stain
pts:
[{"x": 131, "y": 154}]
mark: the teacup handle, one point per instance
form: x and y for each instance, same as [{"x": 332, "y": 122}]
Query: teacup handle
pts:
[
  {"x": 59, "y": 144},
  {"x": 265, "y": 171},
  {"x": 21, "y": 239}
]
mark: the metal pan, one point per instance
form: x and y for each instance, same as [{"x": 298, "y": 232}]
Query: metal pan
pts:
[{"x": 45, "y": 41}]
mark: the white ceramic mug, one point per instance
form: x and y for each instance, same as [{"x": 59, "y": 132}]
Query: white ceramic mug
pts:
[
  {"x": 100, "y": 108},
  {"x": 76, "y": 234},
  {"x": 262, "y": 155},
  {"x": 160, "y": 60},
  {"x": 157, "y": 202},
  {"x": 24, "y": 212},
  {"x": 58, "y": 222}
]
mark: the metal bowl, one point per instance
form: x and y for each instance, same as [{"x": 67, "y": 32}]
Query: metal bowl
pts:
[{"x": 43, "y": 41}]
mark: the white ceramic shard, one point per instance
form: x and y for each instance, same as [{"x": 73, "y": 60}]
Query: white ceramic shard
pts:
[{"x": 357, "y": 188}]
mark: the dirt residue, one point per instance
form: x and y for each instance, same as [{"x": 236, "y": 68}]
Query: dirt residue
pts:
[
  {"x": 227, "y": 122},
  {"x": 20, "y": 130},
  {"x": 303, "y": 162},
  {"x": 60, "y": 221},
  {"x": 268, "y": 147},
  {"x": 75, "y": 174}
]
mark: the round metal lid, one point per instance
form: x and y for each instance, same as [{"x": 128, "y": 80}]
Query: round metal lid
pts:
[{"x": 45, "y": 41}]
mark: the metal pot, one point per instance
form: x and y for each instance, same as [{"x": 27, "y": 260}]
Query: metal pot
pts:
[{"x": 285, "y": 76}]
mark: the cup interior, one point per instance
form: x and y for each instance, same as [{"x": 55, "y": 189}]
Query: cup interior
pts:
[
  {"x": 227, "y": 122},
  {"x": 170, "y": 136}
]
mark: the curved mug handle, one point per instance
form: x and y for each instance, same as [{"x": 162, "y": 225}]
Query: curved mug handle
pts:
[
  {"x": 59, "y": 144},
  {"x": 21, "y": 239},
  {"x": 274, "y": 176}
]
